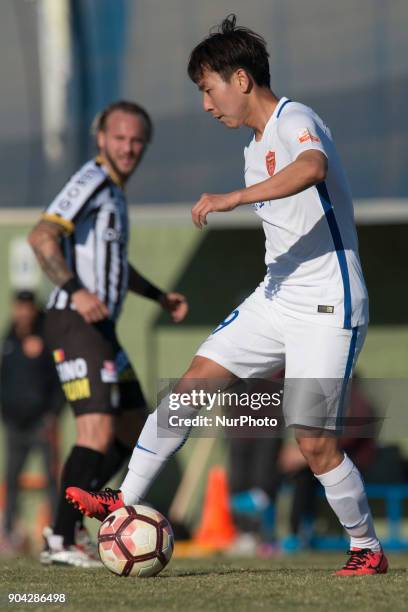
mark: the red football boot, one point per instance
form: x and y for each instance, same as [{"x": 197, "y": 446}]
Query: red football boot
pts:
[
  {"x": 95, "y": 504},
  {"x": 364, "y": 561}
]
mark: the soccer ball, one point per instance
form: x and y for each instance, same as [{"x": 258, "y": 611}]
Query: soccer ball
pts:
[{"x": 135, "y": 541}]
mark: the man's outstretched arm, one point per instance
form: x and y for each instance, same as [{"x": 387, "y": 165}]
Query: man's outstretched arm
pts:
[{"x": 174, "y": 303}]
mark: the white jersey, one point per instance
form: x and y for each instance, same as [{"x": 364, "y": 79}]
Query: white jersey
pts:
[
  {"x": 93, "y": 211},
  {"x": 313, "y": 267}
]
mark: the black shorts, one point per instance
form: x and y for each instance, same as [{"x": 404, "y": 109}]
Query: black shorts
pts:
[{"x": 95, "y": 372}]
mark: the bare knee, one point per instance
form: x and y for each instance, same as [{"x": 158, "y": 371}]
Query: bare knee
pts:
[
  {"x": 95, "y": 431},
  {"x": 321, "y": 452}
]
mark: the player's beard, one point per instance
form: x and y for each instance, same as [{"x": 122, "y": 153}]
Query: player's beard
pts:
[{"x": 122, "y": 175}]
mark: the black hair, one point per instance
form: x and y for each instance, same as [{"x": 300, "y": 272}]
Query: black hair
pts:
[
  {"x": 228, "y": 49},
  {"x": 99, "y": 123}
]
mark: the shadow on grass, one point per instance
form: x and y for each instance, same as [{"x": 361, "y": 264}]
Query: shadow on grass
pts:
[{"x": 247, "y": 571}]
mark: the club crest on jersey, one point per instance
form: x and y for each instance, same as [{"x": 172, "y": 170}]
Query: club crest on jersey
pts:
[
  {"x": 270, "y": 160},
  {"x": 110, "y": 234}
]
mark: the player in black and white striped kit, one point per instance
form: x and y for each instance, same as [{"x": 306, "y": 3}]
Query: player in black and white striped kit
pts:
[{"x": 81, "y": 243}]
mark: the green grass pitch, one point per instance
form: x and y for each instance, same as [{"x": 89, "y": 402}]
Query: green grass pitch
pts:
[{"x": 298, "y": 582}]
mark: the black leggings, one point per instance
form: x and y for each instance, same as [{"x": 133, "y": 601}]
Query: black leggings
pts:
[{"x": 19, "y": 442}]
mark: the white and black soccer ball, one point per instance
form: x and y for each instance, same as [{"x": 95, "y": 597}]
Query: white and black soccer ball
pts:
[{"x": 135, "y": 541}]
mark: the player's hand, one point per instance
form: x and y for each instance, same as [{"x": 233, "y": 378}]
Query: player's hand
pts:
[
  {"x": 176, "y": 304},
  {"x": 213, "y": 202},
  {"x": 89, "y": 306}
]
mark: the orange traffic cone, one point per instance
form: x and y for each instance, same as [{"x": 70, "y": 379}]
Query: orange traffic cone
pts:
[{"x": 216, "y": 529}]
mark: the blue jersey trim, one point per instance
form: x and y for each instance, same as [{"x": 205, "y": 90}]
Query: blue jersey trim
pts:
[
  {"x": 338, "y": 245},
  {"x": 282, "y": 107},
  {"x": 347, "y": 374}
]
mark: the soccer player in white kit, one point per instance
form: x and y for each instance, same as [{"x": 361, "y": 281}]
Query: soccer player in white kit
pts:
[{"x": 310, "y": 313}]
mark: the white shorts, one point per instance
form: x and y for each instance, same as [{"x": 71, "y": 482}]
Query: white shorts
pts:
[{"x": 258, "y": 338}]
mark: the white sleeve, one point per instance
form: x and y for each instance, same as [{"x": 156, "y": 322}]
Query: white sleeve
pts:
[
  {"x": 74, "y": 195},
  {"x": 299, "y": 132}
]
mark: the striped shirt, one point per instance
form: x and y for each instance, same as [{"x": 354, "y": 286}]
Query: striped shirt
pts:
[{"x": 93, "y": 211}]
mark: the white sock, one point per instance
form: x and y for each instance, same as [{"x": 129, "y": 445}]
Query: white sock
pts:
[
  {"x": 156, "y": 443},
  {"x": 55, "y": 542},
  {"x": 346, "y": 495}
]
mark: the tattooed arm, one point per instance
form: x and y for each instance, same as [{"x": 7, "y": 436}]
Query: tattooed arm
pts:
[{"x": 44, "y": 239}]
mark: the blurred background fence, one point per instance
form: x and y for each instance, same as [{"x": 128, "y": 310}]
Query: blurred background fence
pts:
[{"x": 62, "y": 61}]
